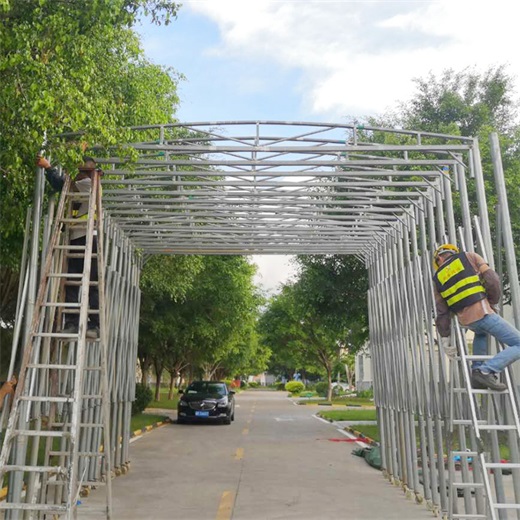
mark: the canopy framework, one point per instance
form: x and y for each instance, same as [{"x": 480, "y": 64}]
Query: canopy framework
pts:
[
  {"x": 262, "y": 187},
  {"x": 272, "y": 188}
]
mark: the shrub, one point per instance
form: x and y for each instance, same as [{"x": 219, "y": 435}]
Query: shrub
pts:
[
  {"x": 143, "y": 397},
  {"x": 322, "y": 388},
  {"x": 295, "y": 387},
  {"x": 367, "y": 394},
  {"x": 254, "y": 384}
]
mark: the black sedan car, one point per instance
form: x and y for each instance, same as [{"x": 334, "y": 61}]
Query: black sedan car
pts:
[{"x": 206, "y": 400}]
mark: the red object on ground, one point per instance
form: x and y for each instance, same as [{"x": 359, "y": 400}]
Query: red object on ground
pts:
[{"x": 356, "y": 439}]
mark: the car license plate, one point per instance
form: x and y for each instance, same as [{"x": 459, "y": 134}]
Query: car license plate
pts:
[{"x": 201, "y": 414}]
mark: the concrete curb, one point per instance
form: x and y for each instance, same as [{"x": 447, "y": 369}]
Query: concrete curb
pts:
[
  {"x": 150, "y": 427},
  {"x": 366, "y": 439},
  {"x": 351, "y": 430}
]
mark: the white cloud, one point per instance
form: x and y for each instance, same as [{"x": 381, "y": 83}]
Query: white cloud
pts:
[
  {"x": 351, "y": 58},
  {"x": 273, "y": 270},
  {"x": 359, "y": 57}
]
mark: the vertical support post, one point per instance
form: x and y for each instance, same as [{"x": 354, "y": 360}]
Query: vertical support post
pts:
[{"x": 509, "y": 245}]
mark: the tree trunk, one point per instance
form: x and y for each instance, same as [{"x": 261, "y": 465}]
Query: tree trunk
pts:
[
  {"x": 172, "y": 382},
  {"x": 145, "y": 366},
  {"x": 329, "y": 380},
  {"x": 158, "y": 376},
  {"x": 350, "y": 376}
]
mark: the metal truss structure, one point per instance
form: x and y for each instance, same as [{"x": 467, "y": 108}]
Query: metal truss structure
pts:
[{"x": 386, "y": 196}]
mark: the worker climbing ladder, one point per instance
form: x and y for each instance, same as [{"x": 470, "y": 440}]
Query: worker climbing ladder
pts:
[
  {"x": 486, "y": 419},
  {"x": 59, "y": 422}
]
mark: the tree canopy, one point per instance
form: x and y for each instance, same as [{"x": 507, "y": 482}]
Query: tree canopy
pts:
[
  {"x": 71, "y": 66},
  {"x": 321, "y": 317},
  {"x": 471, "y": 104}
]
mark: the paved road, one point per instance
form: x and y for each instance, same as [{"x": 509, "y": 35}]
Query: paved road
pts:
[{"x": 275, "y": 462}]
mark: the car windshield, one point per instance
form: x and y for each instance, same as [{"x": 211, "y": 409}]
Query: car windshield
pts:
[{"x": 201, "y": 387}]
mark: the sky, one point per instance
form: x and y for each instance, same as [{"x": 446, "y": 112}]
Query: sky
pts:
[{"x": 323, "y": 60}]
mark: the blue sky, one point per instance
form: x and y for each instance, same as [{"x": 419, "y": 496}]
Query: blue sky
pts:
[
  {"x": 220, "y": 86},
  {"x": 322, "y": 60}
]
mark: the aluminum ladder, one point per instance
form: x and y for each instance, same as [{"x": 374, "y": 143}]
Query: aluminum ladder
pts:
[
  {"x": 56, "y": 443},
  {"x": 483, "y": 415}
]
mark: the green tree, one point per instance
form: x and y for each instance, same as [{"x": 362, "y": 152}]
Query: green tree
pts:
[
  {"x": 165, "y": 281},
  {"x": 320, "y": 318},
  {"x": 206, "y": 325},
  {"x": 69, "y": 66},
  {"x": 217, "y": 313},
  {"x": 472, "y": 104}
]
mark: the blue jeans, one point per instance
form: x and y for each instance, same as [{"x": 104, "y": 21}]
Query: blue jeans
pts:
[{"x": 503, "y": 331}]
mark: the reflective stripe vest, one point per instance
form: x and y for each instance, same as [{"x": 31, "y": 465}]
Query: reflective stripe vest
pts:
[{"x": 458, "y": 283}]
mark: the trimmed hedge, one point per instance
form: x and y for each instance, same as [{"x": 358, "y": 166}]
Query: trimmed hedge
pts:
[
  {"x": 295, "y": 387},
  {"x": 143, "y": 397}
]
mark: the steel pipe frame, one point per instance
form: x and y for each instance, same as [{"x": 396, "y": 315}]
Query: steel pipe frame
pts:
[{"x": 396, "y": 247}]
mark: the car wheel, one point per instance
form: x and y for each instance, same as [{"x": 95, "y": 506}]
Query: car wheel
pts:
[
  {"x": 227, "y": 419},
  {"x": 233, "y": 415}
]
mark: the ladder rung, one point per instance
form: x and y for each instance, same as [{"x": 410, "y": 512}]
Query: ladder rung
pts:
[
  {"x": 82, "y": 425},
  {"x": 480, "y": 391},
  {"x": 506, "y": 506},
  {"x": 467, "y": 484},
  {"x": 35, "y": 469},
  {"x": 92, "y": 396},
  {"x": 464, "y": 453},
  {"x": 78, "y": 284},
  {"x": 478, "y": 358},
  {"x": 469, "y": 515},
  {"x": 41, "y": 433},
  {"x": 80, "y": 255},
  {"x": 83, "y": 484},
  {"x": 76, "y": 311},
  {"x": 79, "y": 223},
  {"x": 498, "y": 427},
  {"x": 467, "y": 422},
  {"x": 45, "y": 399},
  {"x": 502, "y": 465},
  {"x": 57, "y": 335},
  {"x": 60, "y": 367},
  {"x": 69, "y": 247},
  {"x": 51, "y": 508},
  {"x": 62, "y": 304},
  {"x": 65, "y": 275},
  {"x": 78, "y": 195},
  {"x": 487, "y": 391},
  {"x": 81, "y": 454}
]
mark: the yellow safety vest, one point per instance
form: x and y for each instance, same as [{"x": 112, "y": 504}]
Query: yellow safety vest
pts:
[{"x": 458, "y": 283}]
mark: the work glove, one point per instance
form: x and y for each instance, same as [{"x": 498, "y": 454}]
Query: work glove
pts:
[{"x": 449, "y": 349}]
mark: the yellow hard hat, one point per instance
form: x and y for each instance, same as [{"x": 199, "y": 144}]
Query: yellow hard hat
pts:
[{"x": 445, "y": 248}]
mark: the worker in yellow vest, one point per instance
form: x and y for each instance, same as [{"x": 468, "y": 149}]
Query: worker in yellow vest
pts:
[
  {"x": 467, "y": 286},
  {"x": 83, "y": 184}
]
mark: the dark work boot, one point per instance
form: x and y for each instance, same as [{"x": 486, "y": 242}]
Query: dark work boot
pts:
[{"x": 480, "y": 380}]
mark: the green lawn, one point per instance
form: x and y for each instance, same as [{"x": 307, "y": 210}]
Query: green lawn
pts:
[
  {"x": 344, "y": 401},
  {"x": 349, "y": 415},
  {"x": 168, "y": 404},
  {"x": 369, "y": 430},
  {"x": 144, "y": 419}
]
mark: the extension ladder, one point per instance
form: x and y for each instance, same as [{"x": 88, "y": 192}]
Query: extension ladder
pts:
[
  {"x": 483, "y": 416},
  {"x": 56, "y": 444}
]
